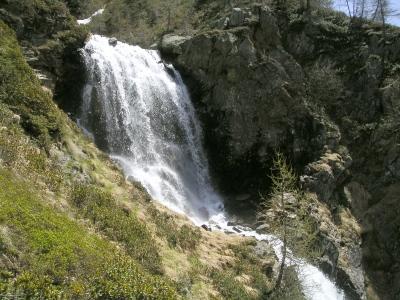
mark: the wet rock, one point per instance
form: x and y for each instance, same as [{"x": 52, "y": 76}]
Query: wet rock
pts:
[
  {"x": 206, "y": 227},
  {"x": 243, "y": 228},
  {"x": 230, "y": 232},
  {"x": 248, "y": 96},
  {"x": 130, "y": 178},
  {"x": 113, "y": 41},
  {"x": 238, "y": 230},
  {"x": 262, "y": 228},
  {"x": 243, "y": 197}
]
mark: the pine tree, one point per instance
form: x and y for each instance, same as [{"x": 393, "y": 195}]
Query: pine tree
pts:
[{"x": 288, "y": 210}]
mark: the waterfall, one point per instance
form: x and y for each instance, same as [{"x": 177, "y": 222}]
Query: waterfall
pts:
[{"x": 137, "y": 108}]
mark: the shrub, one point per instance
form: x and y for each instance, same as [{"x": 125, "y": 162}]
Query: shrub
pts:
[
  {"x": 187, "y": 238},
  {"x": 39, "y": 240},
  {"x": 121, "y": 278},
  {"x": 100, "y": 207}
]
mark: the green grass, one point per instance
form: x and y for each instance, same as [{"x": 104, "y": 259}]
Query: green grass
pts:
[
  {"x": 117, "y": 224},
  {"x": 41, "y": 240},
  {"x": 185, "y": 237}
]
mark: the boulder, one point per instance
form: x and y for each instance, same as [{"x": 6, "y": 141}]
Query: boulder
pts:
[
  {"x": 171, "y": 44},
  {"x": 222, "y": 23},
  {"x": 262, "y": 228},
  {"x": 113, "y": 41},
  {"x": 236, "y": 18},
  {"x": 326, "y": 175}
]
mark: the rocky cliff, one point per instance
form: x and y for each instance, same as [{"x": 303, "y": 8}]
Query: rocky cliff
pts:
[
  {"x": 262, "y": 81},
  {"x": 323, "y": 90}
]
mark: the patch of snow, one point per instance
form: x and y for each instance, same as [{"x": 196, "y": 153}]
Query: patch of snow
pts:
[{"x": 87, "y": 21}]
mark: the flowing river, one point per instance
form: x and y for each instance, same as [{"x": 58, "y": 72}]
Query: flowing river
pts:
[{"x": 137, "y": 108}]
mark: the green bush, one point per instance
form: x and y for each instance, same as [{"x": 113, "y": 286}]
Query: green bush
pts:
[
  {"x": 226, "y": 284},
  {"x": 100, "y": 207},
  {"x": 37, "y": 239},
  {"x": 121, "y": 278},
  {"x": 18, "y": 152},
  {"x": 187, "y": 238}
]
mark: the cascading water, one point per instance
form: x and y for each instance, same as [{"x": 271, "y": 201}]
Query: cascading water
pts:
[{"x": 137, "y": 108}]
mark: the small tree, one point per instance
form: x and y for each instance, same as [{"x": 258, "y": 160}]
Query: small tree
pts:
[{"x": 287, "y": 210}]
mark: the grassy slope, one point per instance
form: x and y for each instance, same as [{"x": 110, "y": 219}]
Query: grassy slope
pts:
[{"x": 72, "y": 227}]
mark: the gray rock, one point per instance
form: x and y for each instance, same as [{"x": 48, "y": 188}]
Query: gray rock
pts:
[
  {"x": 222, "y": 23},
  {"x": 130, "y": 178},
  {"x": 113, "y": 41},
  {"x": 206, "y": 227},
  {"x": 262, "y": 228},
  {"x": 243, "y": 228},
  {"x": 236, "y": 18},
  {"x": 325, "y": 175},
  {"x": 171, "y": 44},
  {"x": 154, "y": 47},
  {"x": 263, "y": 249},
  {"x": 238, "y": 230}
]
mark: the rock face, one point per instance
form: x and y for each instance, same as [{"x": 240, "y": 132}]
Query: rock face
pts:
[
  {"x": 364, "y": 114},
  {"x": 264, "y": 83},
  {"x": 50, "y": 38},
  {"x": 250, "y": 100}
]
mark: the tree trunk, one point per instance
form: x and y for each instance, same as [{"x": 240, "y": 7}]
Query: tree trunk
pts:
[{"x": 282, "y": 267}]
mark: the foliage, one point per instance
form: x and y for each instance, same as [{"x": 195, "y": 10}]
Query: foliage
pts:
[
  {"x": 20, "y": 90},
  {"x": 100, "y": 207},
  {"x": 248, "y": 263},
  {"x": 246, "y": 278},
  {"x": 287, "y": 211},
  {"x": 36, "y": 239},
  {"x": 227, "y": 286},
  {"x": 185, "y": 237},
  {"x": 290, "y": 289},
  {"x": 121, "y": 278},
  {"x": 81, "y": 8},
  {"x": 19, "y": 152}
]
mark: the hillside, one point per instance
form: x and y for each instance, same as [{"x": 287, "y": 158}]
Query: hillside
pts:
[{"x": 320, "y": 88}]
